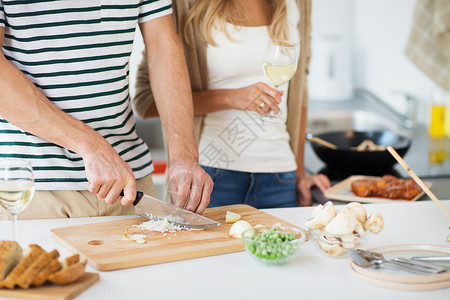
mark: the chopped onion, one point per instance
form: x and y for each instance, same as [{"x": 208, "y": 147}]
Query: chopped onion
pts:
[
  {"x": 238, "y": 227},
  {"x": 232, "y": 217}
]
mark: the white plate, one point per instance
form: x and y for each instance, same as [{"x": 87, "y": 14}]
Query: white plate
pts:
[
  {"x": 341, "y": 191},
  {"x": 399, "y": 279}
]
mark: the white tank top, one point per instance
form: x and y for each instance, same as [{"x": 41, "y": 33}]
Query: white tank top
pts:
[{"x": 244, "y": 140}]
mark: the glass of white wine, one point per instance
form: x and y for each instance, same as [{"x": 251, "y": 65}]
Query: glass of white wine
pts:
[
  {"x": 16, "y": 188},
  {"x": 280, "y": 62}
]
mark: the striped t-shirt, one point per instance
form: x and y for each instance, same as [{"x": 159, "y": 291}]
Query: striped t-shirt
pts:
[{"x": 77, "y": 53}]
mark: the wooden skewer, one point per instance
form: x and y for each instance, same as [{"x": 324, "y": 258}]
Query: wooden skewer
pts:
[
  {"x": 418, "y": 180},
  {"x": 323, "y": 142}
]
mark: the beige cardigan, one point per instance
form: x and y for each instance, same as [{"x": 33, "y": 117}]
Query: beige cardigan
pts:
[{"x": 196, "y": 62}]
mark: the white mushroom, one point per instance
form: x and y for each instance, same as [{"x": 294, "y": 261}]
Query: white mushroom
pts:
[
  {"x": 344, "y": 223},
  {"x": 375, "y": 222},
  {"x": 321, "y": 216},
  {"x": 359, "y": 211},
  {"x": 332, "y": 250}
]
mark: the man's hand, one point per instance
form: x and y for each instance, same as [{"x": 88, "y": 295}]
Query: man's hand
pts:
[
  {"x": 108, "y": 175},
  {"x": 304, "y": 185},
  {"x": 190, "y": 186}
]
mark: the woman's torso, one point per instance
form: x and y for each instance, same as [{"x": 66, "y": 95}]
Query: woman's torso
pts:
[{"x": 244, "y": 140}]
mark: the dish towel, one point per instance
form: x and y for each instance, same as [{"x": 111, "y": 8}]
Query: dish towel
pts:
[{"x": 429, "y": 42}]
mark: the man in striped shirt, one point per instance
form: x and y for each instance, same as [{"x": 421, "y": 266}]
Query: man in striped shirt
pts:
[{"x": 64, "y": 104}]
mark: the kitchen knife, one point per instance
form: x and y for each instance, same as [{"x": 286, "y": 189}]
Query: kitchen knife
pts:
[{"x": 154, "y": 209}]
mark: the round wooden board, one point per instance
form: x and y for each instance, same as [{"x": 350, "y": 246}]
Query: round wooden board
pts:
[
  {"x": 398, "y": 279},
  {"x": 400, "y": 285}
]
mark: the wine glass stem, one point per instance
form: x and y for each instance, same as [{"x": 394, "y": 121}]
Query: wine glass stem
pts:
[{"x": 14, "y": 226}]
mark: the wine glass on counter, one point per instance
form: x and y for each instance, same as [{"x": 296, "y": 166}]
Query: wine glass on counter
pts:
[
  {"x": 16, "y": 188},
  {"x": 280, "y": 63}
]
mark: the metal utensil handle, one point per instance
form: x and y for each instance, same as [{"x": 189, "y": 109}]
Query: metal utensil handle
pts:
[
  {"x": 439, "y": 269},
  {"x": 431, "y": 258},
  {"x": 410, "y": 267}
]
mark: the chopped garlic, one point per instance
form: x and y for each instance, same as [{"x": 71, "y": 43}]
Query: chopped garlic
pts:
[
  {"x": 138, "y": 238},
  {"x": 161, "y": 226}
]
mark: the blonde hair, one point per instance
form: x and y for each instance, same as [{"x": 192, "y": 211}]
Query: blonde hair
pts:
[{"x": 208, "y": 14}]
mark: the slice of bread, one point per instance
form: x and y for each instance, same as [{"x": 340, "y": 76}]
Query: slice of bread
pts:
[
  {"x": 51, "y": 268},
  {"x": 71, "y": 260},
  {"x": 69, "y": 274},
  {"x": 36, "y": 267},
  {"x": 10, "y": 255},
  {"x": 33, "y": 270},
  {"x": 33, "y": 252}
]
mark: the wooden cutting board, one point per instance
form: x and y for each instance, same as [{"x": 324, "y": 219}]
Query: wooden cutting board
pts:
[
  {"x": 51, "y": 291},
  {"x": 101, "y": 244}
]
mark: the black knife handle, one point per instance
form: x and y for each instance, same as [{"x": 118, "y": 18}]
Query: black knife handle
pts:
[{"x": 139, "y": 196}]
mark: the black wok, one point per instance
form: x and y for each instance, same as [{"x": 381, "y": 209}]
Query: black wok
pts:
[{"x": 346, "y": 159}]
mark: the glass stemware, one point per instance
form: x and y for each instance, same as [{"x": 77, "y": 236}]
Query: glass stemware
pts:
[
  {"x": 16, "y": 188},
  {"x": 280, "y": 62}
]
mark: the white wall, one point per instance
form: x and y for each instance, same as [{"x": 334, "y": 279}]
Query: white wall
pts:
[
  {"x": 378, "y": 31},
  {"x": 374, "y": 35},
  {"x": 136, "y": 56}
]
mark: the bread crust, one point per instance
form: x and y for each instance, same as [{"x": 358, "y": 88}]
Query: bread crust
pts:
[
  {"x": 37, "y": 266},
  {"x": 71, "y": 260},
  {"x": 69, "y": 274},
  {"x": 10, "y": 255},
  {"x": 51, "y": 268},
  {"x": 33, "y": 270},
  {"x": 34, "y": 252}
]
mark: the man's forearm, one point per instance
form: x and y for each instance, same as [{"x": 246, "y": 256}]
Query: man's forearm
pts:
[{"x": 169, "y": 80}]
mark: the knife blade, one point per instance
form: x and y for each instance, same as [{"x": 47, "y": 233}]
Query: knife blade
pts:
[{"x": 154, "y": 209}]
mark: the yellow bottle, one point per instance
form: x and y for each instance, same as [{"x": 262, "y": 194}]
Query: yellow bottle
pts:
[
  {"x": 436, "y": 128},
  {"x": 447, "y": 119},
  {"x": 437, "y": 120}
]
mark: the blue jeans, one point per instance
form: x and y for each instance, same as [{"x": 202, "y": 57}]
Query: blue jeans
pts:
[{"x": 260, "y": 190}]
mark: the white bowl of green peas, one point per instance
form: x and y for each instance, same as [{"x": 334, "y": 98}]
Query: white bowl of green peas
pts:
[{"x": 273, "y": 245}]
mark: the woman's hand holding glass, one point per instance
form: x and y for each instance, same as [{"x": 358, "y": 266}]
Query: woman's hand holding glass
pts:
[
  {"x": 258, "y": 97},
  {"x": 16, "y": 188}
]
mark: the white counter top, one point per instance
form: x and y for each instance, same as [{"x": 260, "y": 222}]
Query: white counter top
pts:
[{"x": 238, "y": 276}]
